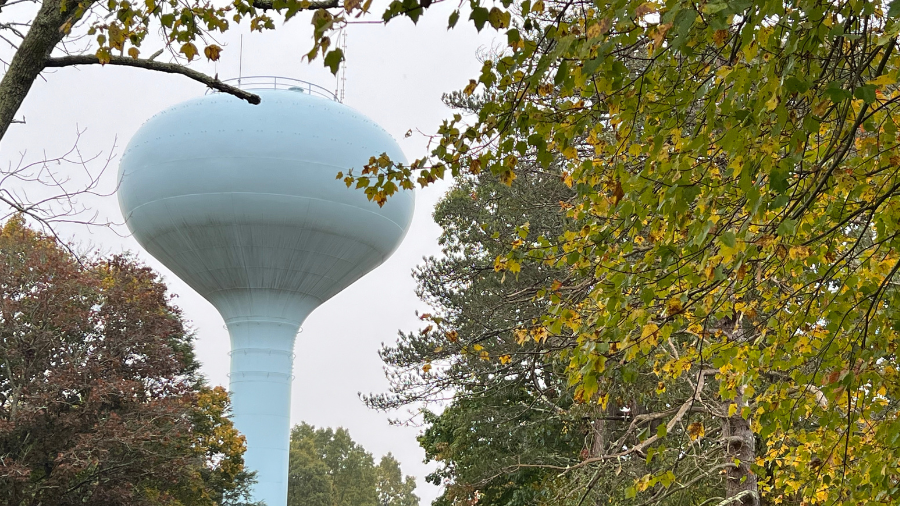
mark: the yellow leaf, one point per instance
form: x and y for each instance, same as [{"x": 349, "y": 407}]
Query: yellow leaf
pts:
[
  {"x": 883, "y": 80},
  {"x": 498, "y": 18},
  {"x": 452, "y": 336},
  {"x": 696, "y": 431},
  {"x": 521, "y": 336},
  {"x": 658, "y": 34},
  {"x": 189, "y": 50},
  {"x": 649, "y": 329},
  {"x": 426, "y": 367},
  {"x": 505, "y": 359},
  {"x": 673, "y": 307},
  {"x": 477, "y": 347},
  {"x": 212, "y": 52},
  {"x": 470, "y": 88},
  {"x": 799, "y": 252},
  {"x": 103, "y": 55},
  {"x": 133, "y": 52},
  {"x": 720, "y": 36},
  {"x": 644, "y": 9},
  {"x": 732, "y": 409}
]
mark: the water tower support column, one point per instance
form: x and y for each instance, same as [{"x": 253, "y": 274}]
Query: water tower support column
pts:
[{"x": 261, "y": 364}]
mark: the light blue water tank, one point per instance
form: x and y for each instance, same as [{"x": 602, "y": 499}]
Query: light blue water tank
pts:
[{"x": 241, "y": 202}]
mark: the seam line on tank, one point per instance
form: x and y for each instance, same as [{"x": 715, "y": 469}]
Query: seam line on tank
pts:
[{"x": 267, "y": 193}]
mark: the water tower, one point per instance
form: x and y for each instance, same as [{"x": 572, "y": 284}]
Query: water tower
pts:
[{"x": 241, "y": 202}]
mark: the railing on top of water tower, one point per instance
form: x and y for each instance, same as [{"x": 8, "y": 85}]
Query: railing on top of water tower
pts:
[{"x": 278, "y": 83}]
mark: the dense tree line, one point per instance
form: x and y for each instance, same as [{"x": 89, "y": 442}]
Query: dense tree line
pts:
[{"x": 328, "y": 468}]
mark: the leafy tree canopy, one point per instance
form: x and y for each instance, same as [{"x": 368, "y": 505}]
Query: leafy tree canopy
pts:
[
  {"x": 328, "y": 468},
  {"x": 512, "y": 432},
  {"x": 100, "y": 400},
  {"x": 734, "y": 225}
]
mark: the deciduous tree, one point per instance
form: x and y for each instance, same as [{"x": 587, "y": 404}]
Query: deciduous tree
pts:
[
  {"x": 392, "y": 487},
  {"x": 328, "y": 468},
  {"x": 513, "y": 431},
  {"x": 100, "y": 400},
  {"x": 736, "y": 171}
]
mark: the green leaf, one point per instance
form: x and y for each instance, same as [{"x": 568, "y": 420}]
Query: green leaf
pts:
[
  {"x": 333, "y": 59},
  {"x": 591, "y": 65},
  {"x": 479, "y": 16},
  {"x": 684, "y": 20},
  {"x": 866, "y": 93},
  {"x": 561, "y": 73},
  {"x": 795, "y": 85},
  {"x": 787, "y": 227},
  {"x": 729, "y": 239},
  {"x": 413, "y": 9},
  {"x": 454, "y": 18},
  {"x": 778, "y": 180},
  {"x": 836, "y": 92},
  {"x": 893, "y": 9},
  {"x": 714, "y": 7}
]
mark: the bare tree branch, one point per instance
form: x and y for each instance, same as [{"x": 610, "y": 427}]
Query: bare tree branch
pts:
[
  {"x": 46, "y": 191},
  {"x": 169, "y": 68}
]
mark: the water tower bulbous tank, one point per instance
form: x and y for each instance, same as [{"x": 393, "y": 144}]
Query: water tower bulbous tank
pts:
[{"x": 241, "y": 202}]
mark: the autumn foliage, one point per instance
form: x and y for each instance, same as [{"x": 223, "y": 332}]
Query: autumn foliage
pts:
[
  {"x": 731, "y": 249},
  {"x": 100, "y": 402}
]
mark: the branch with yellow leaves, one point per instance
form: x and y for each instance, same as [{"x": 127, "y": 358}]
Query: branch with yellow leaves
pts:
[{"x": 149, "y": 64}]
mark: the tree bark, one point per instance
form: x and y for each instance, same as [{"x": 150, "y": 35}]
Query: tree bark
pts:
[
  {"x": 598, "y": 443},
  {"x": 169, "y": 68},
  {"x": 740, "y": 481},
  {"x": 45, "y": 33}
]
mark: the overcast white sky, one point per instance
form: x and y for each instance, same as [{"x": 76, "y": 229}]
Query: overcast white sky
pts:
[{"x": 395, "y": 75}]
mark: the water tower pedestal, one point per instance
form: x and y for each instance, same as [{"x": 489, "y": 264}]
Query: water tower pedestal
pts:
[
  {"x": 241, "y": 202},
  {"x": 262, "y": 354}
]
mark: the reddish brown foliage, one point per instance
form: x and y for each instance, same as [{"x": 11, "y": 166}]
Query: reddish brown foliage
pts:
[{"x": 97, "y": 383}]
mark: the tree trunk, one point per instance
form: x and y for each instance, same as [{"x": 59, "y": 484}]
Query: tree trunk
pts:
[
  {"x": 28, "y": 61},
  {"x": 740, "y": 481},
  {"x": 598, "y": 444}
]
